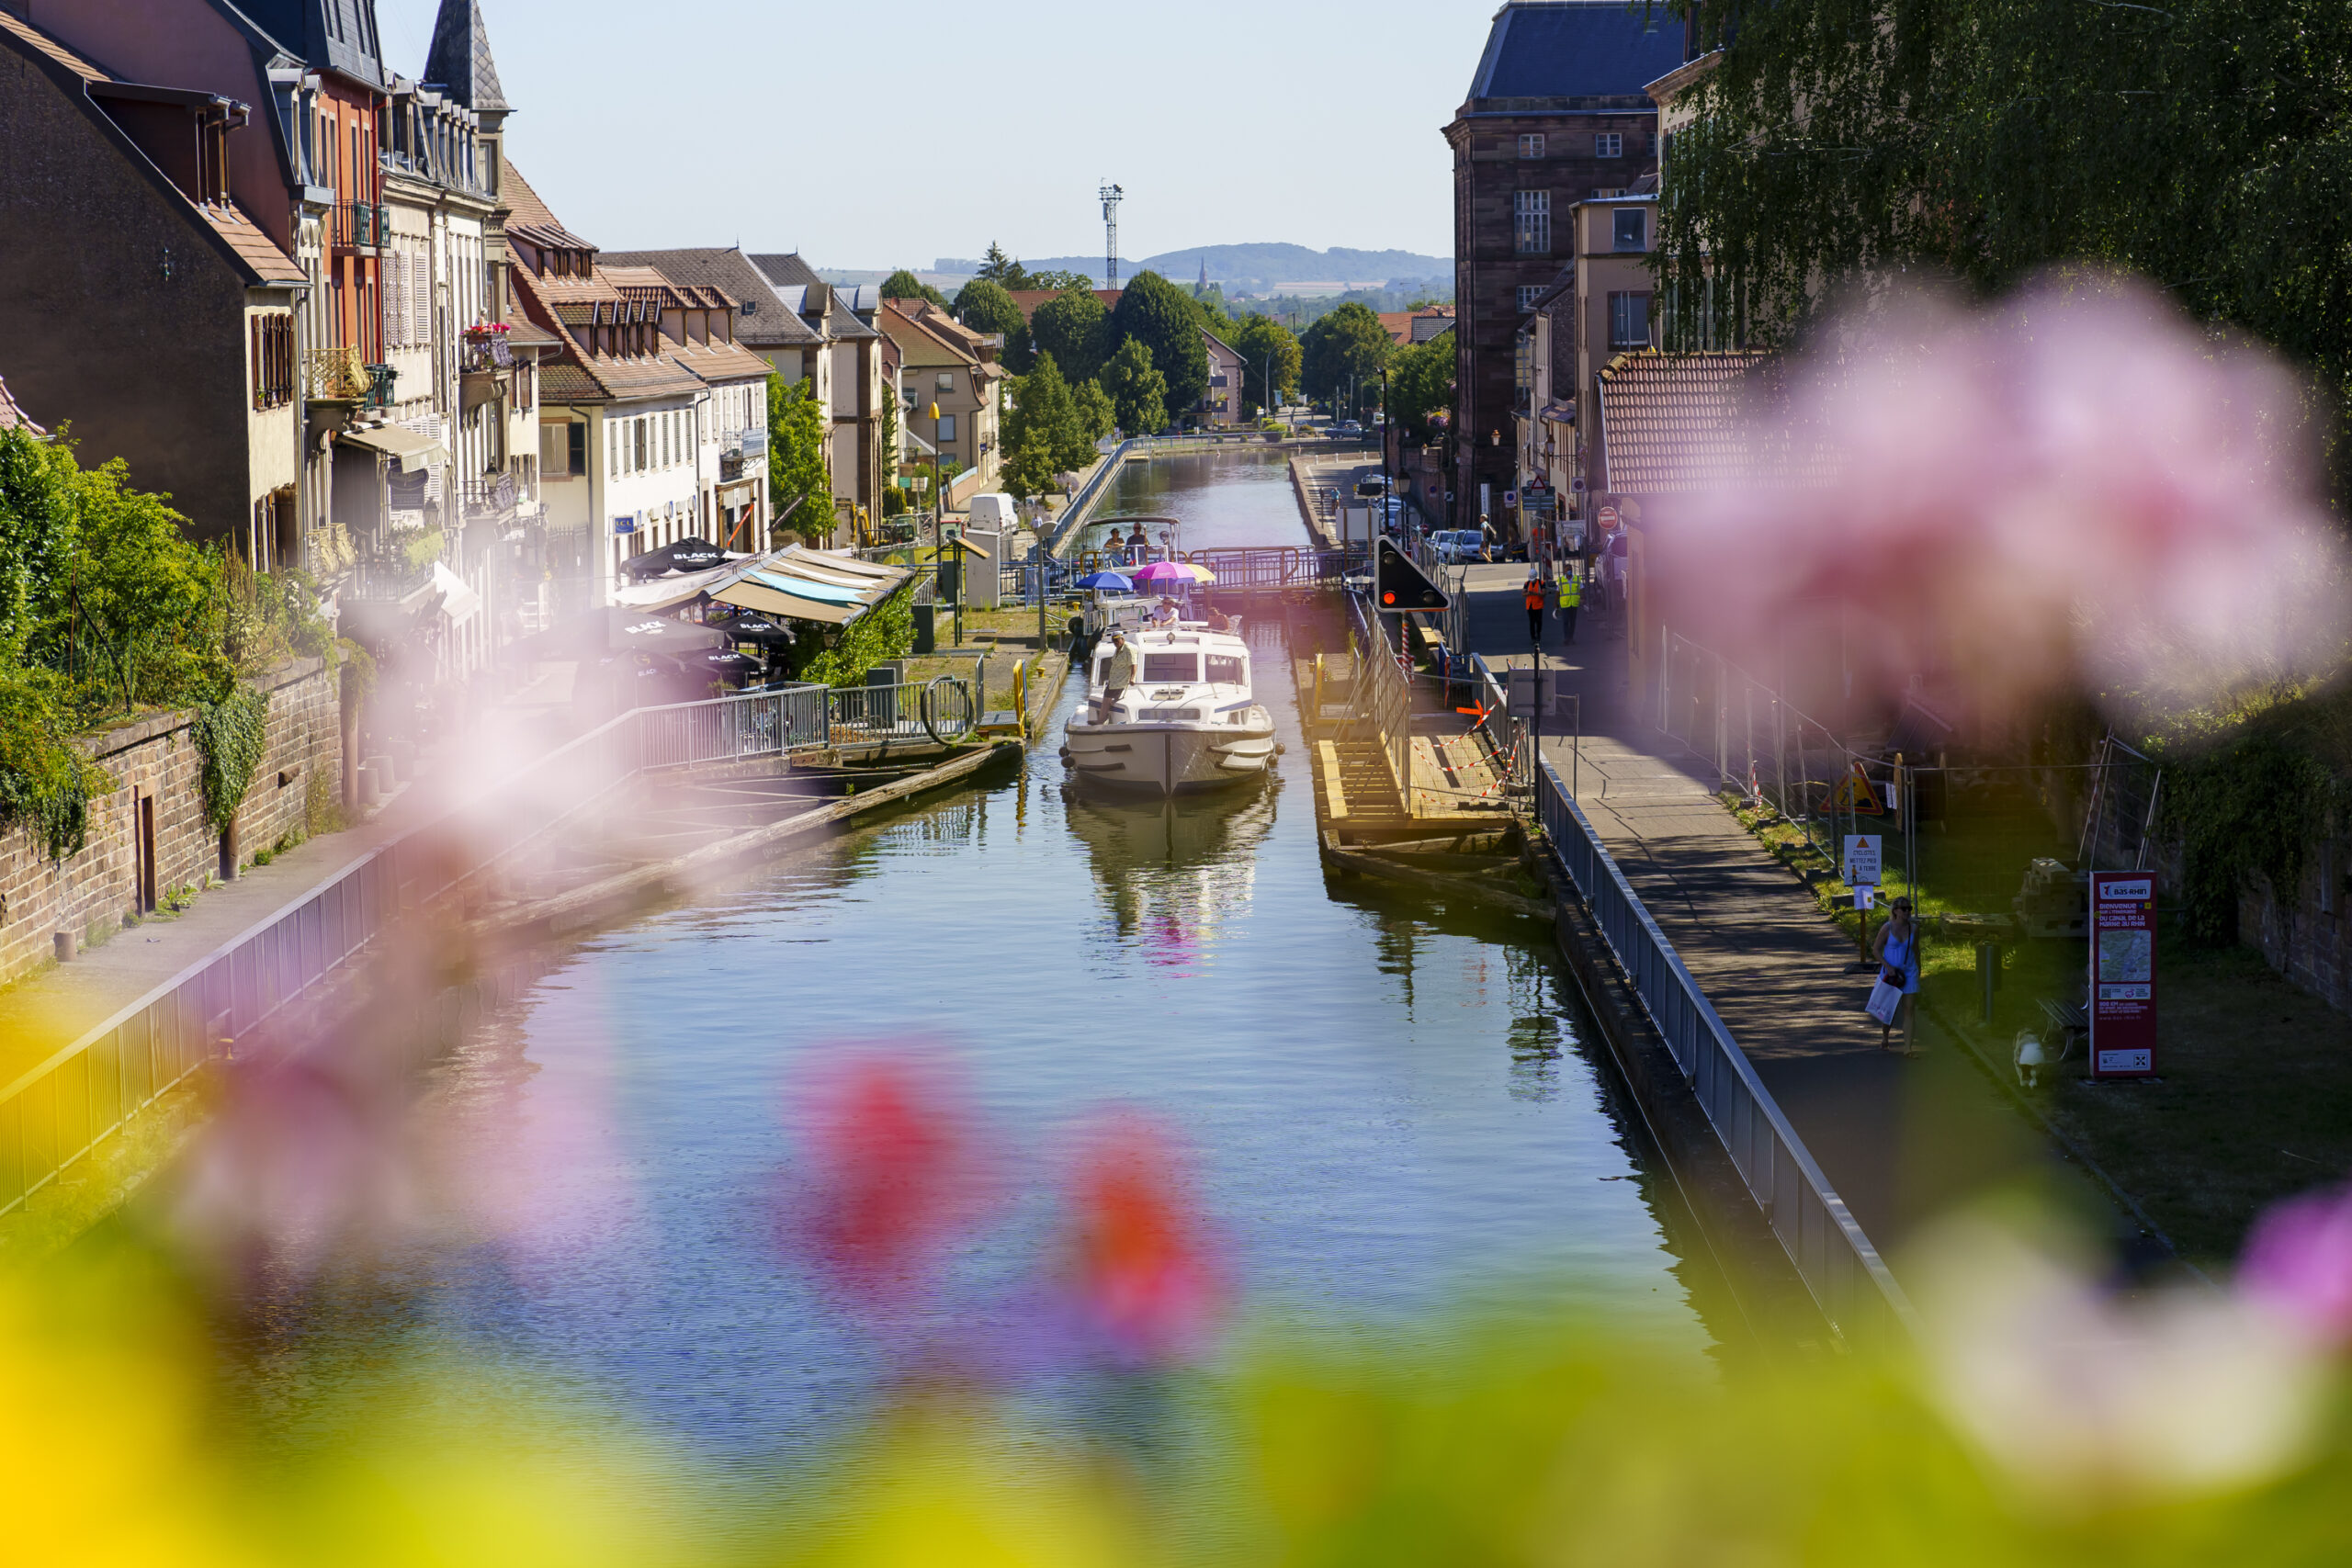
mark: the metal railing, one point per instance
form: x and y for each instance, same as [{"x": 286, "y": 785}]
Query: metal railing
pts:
[
  {"x": 1074, "y": 515},
  {"x": 1384, "y": 693},
  {"x": 358, "y": 225},
  {"x": 59, "y": 1109},
  {"x": 335, "y": 375},
  {"x": 1840, "y": 1266}
]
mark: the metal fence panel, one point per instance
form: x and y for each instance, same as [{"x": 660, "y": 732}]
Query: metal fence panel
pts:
[{"x": 1840, "y": 1265}]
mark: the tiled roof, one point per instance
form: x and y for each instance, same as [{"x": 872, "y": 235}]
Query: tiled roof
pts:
[
  {"x": 719, "y": 361},
  {"x": 51, "y": 48},
  {"x": 1669, "y": 424},
  {"x": 1576, "y": 49},
  {"x": 786, "y": 268},
  {"x": 1030, "y": 298},
  {"x": 523, "y": 203},
  {"x": 733, "y": 275},
  {"x": 256, "y": 250},
  {"x": 11, "y": 416}
]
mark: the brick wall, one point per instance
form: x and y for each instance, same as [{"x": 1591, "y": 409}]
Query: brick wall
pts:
[{"x": 156, "y": 757}]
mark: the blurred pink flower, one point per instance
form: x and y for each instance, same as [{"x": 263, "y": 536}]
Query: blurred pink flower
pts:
[
  {"x": 1143, "y": 1273},
  {"x": 893, "y": 1169},
  {"x": 2297, "y": 1263},
  {"x": 2074, "y": 488},
  {"x": 302, "y": 1161}
]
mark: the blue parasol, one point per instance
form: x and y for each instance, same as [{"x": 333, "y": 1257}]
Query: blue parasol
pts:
[{"x": 1107, "y": 580}]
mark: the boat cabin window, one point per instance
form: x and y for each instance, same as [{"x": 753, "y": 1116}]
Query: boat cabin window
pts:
[
  {"x": 1225, "y": 672},
  {"x": 1169, "y": 668}
]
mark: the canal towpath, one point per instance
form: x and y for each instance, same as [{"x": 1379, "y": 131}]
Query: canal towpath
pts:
[{"x": 1902, "y": 1139}]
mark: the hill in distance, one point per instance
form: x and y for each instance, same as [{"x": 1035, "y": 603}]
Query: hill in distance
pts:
[{"x": 1258, "y": 266}]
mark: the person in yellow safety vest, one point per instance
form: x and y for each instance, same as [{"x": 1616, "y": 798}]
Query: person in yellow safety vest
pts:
[
  {"x": 1533, "y": 594},
  {"x": 1571, "y": 599}
]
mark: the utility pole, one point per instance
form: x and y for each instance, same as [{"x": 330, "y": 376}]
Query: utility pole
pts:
[{"x": 1112, "y": 196}]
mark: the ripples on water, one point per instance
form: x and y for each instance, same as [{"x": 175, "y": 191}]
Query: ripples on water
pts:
[{"x": 1384, "y": 1111}]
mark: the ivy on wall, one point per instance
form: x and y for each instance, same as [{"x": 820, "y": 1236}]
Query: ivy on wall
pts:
[
  {"x": 229, "y": 735},
  {"x": 2252, "y": 807}
]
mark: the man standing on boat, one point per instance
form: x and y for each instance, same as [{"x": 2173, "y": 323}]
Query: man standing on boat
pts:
[{"x": 1117, "y": 676}]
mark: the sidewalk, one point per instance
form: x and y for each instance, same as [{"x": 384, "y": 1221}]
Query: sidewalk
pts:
[
  {"x": 1901, "y": 1139},
  {"x": 50, "y": 1009}
]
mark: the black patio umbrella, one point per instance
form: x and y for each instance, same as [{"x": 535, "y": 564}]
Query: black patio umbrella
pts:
[
  {"x": 618, "y": 628},
  {"x": 722, "y": 661},
  {"x": 687, "y": 555},
  {"x": 749, "y": 628}
]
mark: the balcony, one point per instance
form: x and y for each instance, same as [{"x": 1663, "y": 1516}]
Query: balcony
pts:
[
  {"x": 336, "y": 376},
  {"x": 489, "y": 498},
  {"x": 485, "y": 348},
  {"x": 380, "y": 386},
  {"x": 358, "y": 226},
  {"x": 752, "y": 443}
]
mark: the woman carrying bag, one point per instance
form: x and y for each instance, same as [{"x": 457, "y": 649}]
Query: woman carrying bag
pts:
[{"x": 1896, "y": 994}]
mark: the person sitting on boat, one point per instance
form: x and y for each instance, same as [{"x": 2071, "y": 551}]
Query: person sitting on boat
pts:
[
  {"x": 1117, "y": 676},
  {"x": 1167, "y": 617}
]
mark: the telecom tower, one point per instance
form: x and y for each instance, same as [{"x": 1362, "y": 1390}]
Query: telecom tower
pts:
[{"x": 1112, "y": 195}]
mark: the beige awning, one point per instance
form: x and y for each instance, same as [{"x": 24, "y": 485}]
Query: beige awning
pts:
[
  {"x": 407, "y": 449},
  {"x": 735, "y": 492},
  {"x": 749, "y": 595}
]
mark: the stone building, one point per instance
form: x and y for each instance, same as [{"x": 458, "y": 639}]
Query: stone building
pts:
[{"x": 1557, "y": 114}]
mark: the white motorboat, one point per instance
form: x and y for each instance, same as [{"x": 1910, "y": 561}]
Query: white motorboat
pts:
[{"x": 1189, "y": 722}]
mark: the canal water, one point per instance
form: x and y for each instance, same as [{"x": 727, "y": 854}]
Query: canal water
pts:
[{"x": 1387, "y": 1113}]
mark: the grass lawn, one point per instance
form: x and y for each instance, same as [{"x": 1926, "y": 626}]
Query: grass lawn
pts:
[{"x": 2255, "y": 1099}]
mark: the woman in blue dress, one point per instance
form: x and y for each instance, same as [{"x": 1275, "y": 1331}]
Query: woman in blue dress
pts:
[{"x": 1897, "y": 952}]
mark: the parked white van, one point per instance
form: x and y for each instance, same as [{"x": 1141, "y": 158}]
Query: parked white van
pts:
[{"x": 992, "y": 512}]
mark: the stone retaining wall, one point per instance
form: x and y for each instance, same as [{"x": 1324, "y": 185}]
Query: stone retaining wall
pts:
[
  {"x": 2309, "y": 938},
  {"x": 156, "y": 757}
]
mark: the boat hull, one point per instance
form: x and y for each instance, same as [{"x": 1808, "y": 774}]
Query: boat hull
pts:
[{"x": 1168, "y": 759}]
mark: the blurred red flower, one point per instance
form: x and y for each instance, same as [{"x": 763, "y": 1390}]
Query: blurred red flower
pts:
[
  {"x": 893, "y": 1171},
  {"x": 1144, "y": 1275}
]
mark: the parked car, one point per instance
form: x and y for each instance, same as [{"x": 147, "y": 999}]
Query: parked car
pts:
[{"x": 1349, "y": 427}]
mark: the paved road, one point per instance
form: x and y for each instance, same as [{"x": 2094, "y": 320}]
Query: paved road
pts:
[{"x": 1900, "y": 1139}]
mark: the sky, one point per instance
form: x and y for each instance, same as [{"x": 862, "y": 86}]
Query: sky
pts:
[{"x": 869, "y": 135}]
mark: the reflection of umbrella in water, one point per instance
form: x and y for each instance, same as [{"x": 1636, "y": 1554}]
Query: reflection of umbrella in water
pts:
[{"x": 1110, "y": 581}]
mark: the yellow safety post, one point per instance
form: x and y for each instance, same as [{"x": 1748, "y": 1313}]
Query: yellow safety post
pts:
[
  {"x": 1021, "y": 693},
  {"x": 1317, "y": 716}
]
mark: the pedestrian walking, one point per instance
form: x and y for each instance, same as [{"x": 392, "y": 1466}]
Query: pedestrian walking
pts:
[
  {"x": 1533, "y": 594},
  {"x": 1488, "y": 541},
  {"x": 1896, "y": 949},
  {"x": 1571, "y": 599}
]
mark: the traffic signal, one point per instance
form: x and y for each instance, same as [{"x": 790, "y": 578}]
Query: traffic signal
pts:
[{"x": 1402, "y": 586}]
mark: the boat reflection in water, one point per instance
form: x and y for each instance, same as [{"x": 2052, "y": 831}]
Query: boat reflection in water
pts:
[{"x": 1174, "y": 869}]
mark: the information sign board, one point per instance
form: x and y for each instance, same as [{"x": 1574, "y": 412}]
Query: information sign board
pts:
[
  {"x": 1859, "y": 864},
  {"x": 2124, "y": 975}
]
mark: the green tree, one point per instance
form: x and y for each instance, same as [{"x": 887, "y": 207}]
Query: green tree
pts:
[
  {"x": 985, "y": 307},
  {"x": 1094, "y": 410},
  {"x": 1168, "y": 323},
  {"x": 2206, "y": 143},
  {"x": 1074, "y": 328},
  {"x": 905, "y": 284},
  {"x": 1057, "y": 279},
  {"x": 1043, "y": 434},
  {"x": 1345, "y": 348},
  {"x": 1260, "y": 340},
  {"x": 146, "y": 601},
  {"x": 1003, "y": 270},
  {"x": 1138, "y": 392},
  {"x": 800, "y": 485},
  {"x": 1421, "y": 381}
]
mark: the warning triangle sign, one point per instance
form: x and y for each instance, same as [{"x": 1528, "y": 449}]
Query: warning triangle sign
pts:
[{"x": 1402, "y": 586}]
